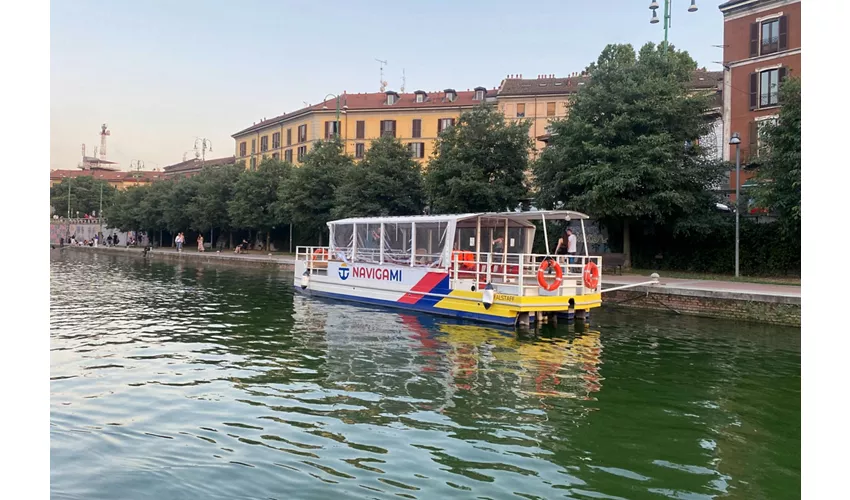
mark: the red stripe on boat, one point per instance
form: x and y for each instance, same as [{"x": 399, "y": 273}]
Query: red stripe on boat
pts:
[{"x": 426, "y": 284}]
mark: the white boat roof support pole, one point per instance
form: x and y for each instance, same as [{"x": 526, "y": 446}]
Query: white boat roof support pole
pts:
[
  {"x": 382, "y": 243},
  {"x": 545, "y": 233},
  {"x": 584, "y": 237},
  {"x": 412, "y": 243},
  {"x": 354, "y": 242}
]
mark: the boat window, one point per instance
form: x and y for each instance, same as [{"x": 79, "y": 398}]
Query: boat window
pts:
[
  {"x": 368, "y": 243},
  {"x": 397, "y": 243},
  {"x": 431, "y": 243},
  {"x": 343, "y": 241}
]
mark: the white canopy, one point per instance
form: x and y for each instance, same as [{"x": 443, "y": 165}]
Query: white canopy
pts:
[{"x": 515, "y": 216}]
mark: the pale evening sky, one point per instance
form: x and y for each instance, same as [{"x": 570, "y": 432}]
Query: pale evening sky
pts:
[{"x": 161, "y": 73}]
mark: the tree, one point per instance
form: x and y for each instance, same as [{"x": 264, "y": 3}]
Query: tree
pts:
[
  {"x": 208, "y": 209},
  {"x": 626, "y": 152},
  {"x": 127, "y": 211},
  {"x": 778, "y": 179},
  {"x": 174, "y": 212},
  {"x": 85, "y": 195},
  {"x": 479, "y": 164},
  {"x": 255, "y": 197},
  {"x": 386, "y": 182},
  {"x": 307, "y": 197}
]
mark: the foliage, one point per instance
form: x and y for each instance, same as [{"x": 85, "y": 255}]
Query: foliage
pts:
[
  {"x": 255, "y": 196},
  {"x": 621, "y": 153},
  {"x": 386, "y": 182},
  {"x": 127, "y": 211},
  {"x": 779, "y": 186},
  {"x": 479, "y": 164},
  {"x": 216, "y": 185},
  {"x": 174, "y": 214},
  {"x": 85, "y": 195},
  {"x": 307, "y": 196}
]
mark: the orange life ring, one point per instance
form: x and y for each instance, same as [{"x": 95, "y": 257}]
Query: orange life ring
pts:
[
  {"x": 591, "y": 275},
  {"x": 541, "y": 278},
  {"x": 319, "y": 251}
]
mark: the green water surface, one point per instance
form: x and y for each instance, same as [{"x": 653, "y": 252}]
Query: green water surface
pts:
[{"x": 200, "y": 381}]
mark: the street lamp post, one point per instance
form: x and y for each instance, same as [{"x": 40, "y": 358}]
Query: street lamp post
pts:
[
  {"x": 344, "y": 107},
  {"x": 736, "y": 141},
  {"x": 203, "y": 141},
  {"x": 668, "y": 14},
  {"x": 69, "y": 197}
]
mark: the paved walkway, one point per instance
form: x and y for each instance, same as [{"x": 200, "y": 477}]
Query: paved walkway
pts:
[{"x": 708, "y": 285}]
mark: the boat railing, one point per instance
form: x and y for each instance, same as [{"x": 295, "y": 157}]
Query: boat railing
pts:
[{"x": 509, "y": 273}]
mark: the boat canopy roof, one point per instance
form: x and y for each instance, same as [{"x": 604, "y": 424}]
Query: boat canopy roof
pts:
[{"x": 523, "y": 217}]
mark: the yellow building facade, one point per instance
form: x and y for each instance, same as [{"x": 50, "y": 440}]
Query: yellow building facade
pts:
[{"x": 416, "y": 119}]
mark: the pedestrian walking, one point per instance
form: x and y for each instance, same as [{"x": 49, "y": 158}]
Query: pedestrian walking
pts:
[
  {"x": 179, "y": 241},
  {"x": 200, "y": 243}
]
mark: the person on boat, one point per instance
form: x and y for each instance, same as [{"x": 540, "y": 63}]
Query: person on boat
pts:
[
  {"x": 567, "y": 245},
  {"x": 498, "y": 254}
]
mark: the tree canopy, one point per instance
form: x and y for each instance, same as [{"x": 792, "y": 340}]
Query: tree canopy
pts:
[
  {"x": 255, "y": 196},
  {"x": 307, "y": 196},
  {"x": 386, "y": 182},
  {"x": 479, "y": 164},
  {"x": 628, "y": 149},
  {"x": 85, "y": 195},
  {"x": 779, "y": 186}
]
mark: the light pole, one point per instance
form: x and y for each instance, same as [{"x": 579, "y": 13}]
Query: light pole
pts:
[
  {"x": 344, "y": 107},
  {"x": 668, "y": 14},
  {"x": 69, "y": 197},
  {"x": 736, "y": 141},
  {"x": 203, "y": 141}
]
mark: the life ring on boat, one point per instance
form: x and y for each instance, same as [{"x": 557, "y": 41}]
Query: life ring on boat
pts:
[
  {"x": 318, "y": 252},
  {"x": 541, "y": 278},
  {"x": 591, "y": 275},
  {"x": 465, "y": 257}
]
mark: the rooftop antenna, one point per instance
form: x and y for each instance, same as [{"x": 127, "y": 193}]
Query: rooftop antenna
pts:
[
  {"x": 103, "y": 134},
  {"x": 403, "y": 80},
  {"x": 383, "y": 82}
]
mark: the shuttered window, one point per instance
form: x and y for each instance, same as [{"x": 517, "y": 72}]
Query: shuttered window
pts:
[
  {"x": 331, "y": 129},
  {"x": 287, "y": 155},
  {"x": 243, "y": 148},
  {"x": 388, "y": 128},
  {"x": 264, "y": 143},
  {"x": 302, "y": 133},
  {"x": 769, "y": 36},
  {"x": 359, "y": 150},
  {"x": 276, "y": 140},
  {"x": 444, "y": 124},
  {"x": 361, "y": 129},
  {"x": 520, "y": 110},
  {"x": 289, "y": 137},
  {"x": 417, "y": 129},
  {"x": 550, "y": 109},
  {"x": 417, "y": 149}
]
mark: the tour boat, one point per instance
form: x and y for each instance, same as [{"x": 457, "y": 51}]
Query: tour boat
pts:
[{"x": 476, "y": 266}]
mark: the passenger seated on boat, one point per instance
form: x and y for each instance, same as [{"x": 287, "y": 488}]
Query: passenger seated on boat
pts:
[{"x": 422, "y": 257}]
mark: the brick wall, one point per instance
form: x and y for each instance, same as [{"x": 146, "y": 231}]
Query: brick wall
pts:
[{"x": 778, "y": 312}]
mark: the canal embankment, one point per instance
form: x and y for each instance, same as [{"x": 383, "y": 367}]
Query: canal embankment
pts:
[{"x": 763, "y": 303}]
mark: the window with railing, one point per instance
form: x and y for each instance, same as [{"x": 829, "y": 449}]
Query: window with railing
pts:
[
  {"x": 769, "y": 88},
  {"x": 770, "y": 36}
]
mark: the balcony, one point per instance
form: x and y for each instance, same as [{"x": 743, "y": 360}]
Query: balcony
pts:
[{"x": 769, "y": 45}]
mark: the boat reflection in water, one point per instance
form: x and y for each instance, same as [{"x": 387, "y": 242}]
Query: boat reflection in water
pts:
[{"x": 433, "y": 361}]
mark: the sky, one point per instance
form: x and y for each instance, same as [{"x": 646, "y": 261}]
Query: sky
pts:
[{"x": 161, "y": 73}]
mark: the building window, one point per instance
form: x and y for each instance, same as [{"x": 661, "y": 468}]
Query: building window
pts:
[
  {"x": 276, "y": 140},
  {"x": 417, "y": 129},
  {"x": 361, "y": 129},
  {"x": 359, "y": 150},
  {"x": 264, "y": 143},
  {"x": 520, "y": 110},
  {"x": 769, "y": 89},
  {"x": 417, "y": 149},
  {"x": 392, "y": 99},
  {"x": 479, "y": 95},
  {"x": 289, "y": 137},
  {"x": 287, "y": 155},
  {"x": 388, "y": 128},
  {"x": 444, "y": 123},
  {"x": 275, "y": 156},
  {"x": 302, "y": 133},
  {"x": 243, "y": 148},
  {"x": 420, "y": 98},
  {"x": 770, "y": 36},
  {"x": 253, "y": 146},
  {"x": 253, "y": 163},
  {"x": 331, "y": 129},
  {"x": 451, "y": 95},
  {"x": 302, "y": 150},
  {"x": 550, "y": 109}
]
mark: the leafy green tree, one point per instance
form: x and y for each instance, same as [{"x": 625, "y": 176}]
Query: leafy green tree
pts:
[
  {"x": 85, "y": 195},
  {"x": 174, "y": 212},
  {"x": 127, "y": 212},
  {"x": 255, "y": 197},
  {"x": 626, "y": 152},
  {"x": 208, "y": 210},
  {"x": 307, "y": 197},
  {"x": 479, "y": 164},
  {"x": 778, "y": 186},
  {"x": 155, "y": 198},
  {"x": 387, "y": 182}
]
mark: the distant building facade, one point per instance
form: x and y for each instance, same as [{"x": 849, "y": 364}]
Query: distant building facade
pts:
[
  {"x": 761, "y": 40},
  {"x": 191, "y": 167}
]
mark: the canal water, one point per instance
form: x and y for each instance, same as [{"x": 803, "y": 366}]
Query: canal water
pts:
[{"x": 202, "y": 381}]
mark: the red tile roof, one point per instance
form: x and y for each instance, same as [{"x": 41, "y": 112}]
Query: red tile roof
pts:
[
  {"x": 109, "y": 176},
  {"x": 377, "y": 100},
  {"x": 194, "y": 165}
]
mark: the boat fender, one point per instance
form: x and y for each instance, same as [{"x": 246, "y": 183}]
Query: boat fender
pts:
[
  {"x": 488, "y": 296},
  {"x": 305, "y": 280}
]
